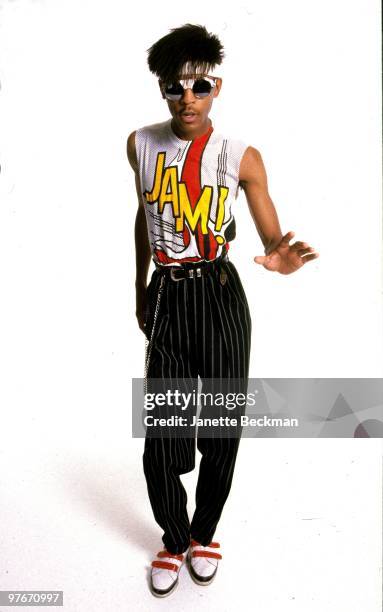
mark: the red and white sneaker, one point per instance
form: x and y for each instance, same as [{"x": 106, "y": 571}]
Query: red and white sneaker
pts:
[
  {"x": 203, "y": 561},
  {"x": 164, "y": 574}
]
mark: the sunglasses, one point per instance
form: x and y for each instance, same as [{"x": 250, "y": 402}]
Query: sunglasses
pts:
[{"x": 202, "y": 87}]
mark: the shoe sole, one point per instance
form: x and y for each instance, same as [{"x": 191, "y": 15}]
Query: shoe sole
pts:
[
  {"x": 197, "y": 580},
  {"x": 172, "y": 588},
  {"x": 166, "y": 593}
]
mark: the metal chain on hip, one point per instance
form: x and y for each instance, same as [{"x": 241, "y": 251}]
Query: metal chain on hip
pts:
[{"x": 149, "y": 343}]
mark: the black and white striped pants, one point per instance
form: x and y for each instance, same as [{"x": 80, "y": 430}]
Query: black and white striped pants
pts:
[{"x": 203, "y": 328}]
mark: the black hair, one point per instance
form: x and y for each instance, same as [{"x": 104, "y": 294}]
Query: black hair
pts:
[{"x": 187, "y": 43}]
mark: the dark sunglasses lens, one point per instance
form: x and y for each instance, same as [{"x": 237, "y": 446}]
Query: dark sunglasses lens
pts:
[
  {"x": 174, "y": 89},
  {"x": 202, "y": 88}
]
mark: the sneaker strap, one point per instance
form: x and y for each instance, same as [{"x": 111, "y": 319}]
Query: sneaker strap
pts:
[
  {"x": 198, "y": 550},
  {"x": 168, "y": 564}
]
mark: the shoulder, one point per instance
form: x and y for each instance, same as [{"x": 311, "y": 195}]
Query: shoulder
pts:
[
  {"x": 233, "y": 148},
  {"x": 138, "y": 139},
  {"x": 230, "y": 148},
  {"x": 131, "y": 150},
  {"x": 153, "y": 130},
  {"x": 221, "y": 135},
  {"x": 252, "y": 167}
]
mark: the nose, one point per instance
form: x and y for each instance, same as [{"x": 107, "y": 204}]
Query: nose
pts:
[{"x": 188, "y": 95}]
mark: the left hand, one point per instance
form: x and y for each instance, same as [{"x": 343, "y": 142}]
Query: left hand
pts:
[{"x": 286, "y": 258}]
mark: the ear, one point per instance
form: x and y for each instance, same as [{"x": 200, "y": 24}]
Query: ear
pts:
[
  {"x": 217, "y": 88},
  {"x": 160, "y": 86}
]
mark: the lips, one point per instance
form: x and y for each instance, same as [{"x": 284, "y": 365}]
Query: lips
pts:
[{"x": 188, "y": 116}]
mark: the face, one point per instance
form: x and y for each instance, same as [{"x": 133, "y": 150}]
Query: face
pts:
[{"x": 190, "y": 113}]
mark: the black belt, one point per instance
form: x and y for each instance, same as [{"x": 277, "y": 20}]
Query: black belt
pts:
[{"x": 189, "y": 269}]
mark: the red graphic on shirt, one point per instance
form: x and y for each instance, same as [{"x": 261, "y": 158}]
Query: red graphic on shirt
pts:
[{"x": 191, "y": 175}]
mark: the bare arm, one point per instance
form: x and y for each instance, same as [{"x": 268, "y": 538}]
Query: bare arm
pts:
[
  {"x": 279, "y": 256},
  {"x": 142, "y": 246},
  {"x": 253, "y": 180}
]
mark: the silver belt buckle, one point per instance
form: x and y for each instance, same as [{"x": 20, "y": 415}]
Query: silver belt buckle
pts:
[
  {"x": 190, "y": 273},
  {"x": 193, "y": 272}
]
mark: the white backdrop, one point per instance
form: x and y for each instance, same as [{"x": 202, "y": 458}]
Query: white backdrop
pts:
[{"x": 301, "y": 82}]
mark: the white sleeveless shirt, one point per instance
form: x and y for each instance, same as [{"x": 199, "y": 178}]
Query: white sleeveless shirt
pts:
[{"x": 188, "y": 187}]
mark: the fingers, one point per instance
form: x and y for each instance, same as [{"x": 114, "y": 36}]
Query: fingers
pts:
[
  {"x": 304, "y": 251},
  {"x": 260, "y": 259},
  {"x": 301, "y": 252},
  {"x": 309, "y": 257},
  {"x": 286, "y": 239},
  {"x": 299, "y": 245}
]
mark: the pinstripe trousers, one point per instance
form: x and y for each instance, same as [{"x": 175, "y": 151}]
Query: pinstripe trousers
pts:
[{"x": 203, "y": 329}]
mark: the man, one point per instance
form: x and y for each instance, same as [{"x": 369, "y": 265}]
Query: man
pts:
[{"x": 194, "y": 312}]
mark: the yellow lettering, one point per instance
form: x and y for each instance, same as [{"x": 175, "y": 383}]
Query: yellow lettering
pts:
[
  {"x": 222, "y": 195},
  {"x": 153, "y": 195},
  {"x": 171, "y": 197},
  {"x": 201, "y": 211}
]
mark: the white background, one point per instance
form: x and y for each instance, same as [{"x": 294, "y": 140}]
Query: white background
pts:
[{"x": 301, "y": 82}]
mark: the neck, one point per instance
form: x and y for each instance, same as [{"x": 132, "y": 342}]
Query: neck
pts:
[{"x": 190, "y": 133}]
